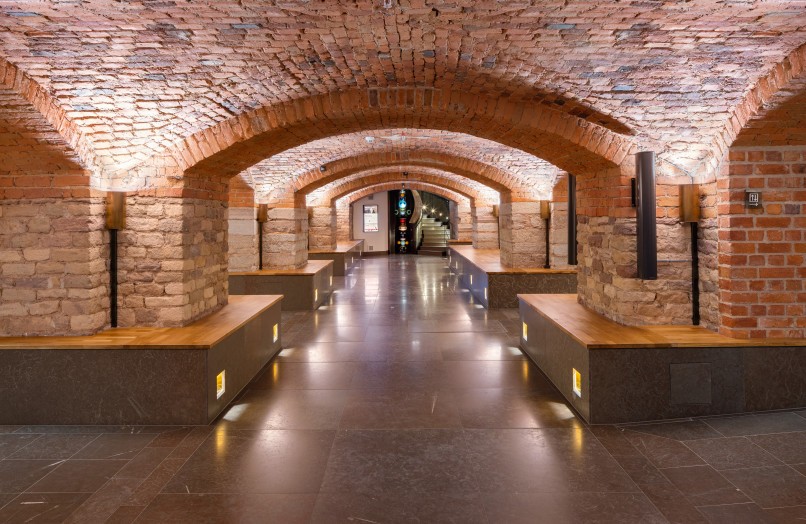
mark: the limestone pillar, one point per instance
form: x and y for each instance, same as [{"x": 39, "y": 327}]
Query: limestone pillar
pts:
[
  {"x": 285, "y": 238},
  {"x": 485, "y": 227},
  {"x": 53, "y": 265},
  {"x": 243, "y": 239},
  {"x": 322, "y": 232},
  {"x": 463, "y": 223},
  {"x": 344, "y": 230},
  {"x": 523, "y": 235},
  {"x": 172, "y": 259},
  {"x": 558, "y": 235}
]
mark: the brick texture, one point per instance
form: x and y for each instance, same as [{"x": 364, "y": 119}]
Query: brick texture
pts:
[{"x": 762, "y": 251}]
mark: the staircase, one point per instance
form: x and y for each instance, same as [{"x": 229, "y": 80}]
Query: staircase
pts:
[{"x": 435, "y": 237}]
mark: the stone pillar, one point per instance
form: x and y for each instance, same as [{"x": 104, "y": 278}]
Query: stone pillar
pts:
[
  {"x": 523, "y": 235},
  {"x": 53, "y": 265},
  {"x": 323, "y": 228},
  {"x": 285, "y": 238},
  {"x": 172, "y": 258},
  {"x": 558, "y": 235},
  {"x": 344, "y": 230},
  {"x": 485, "y": 227},
  {"x": 243, "y": 239},
  {"x": 243, "y": 226},
  {"x": 464, "y": 223}
]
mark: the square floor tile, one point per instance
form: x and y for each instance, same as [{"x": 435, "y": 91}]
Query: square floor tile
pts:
[
  {"x": 544, "y": 460},
  {"x": 267, "y": 461}
]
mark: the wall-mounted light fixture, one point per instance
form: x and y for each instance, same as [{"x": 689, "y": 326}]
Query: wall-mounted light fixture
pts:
[
  {"x": 322, "y": 168},
  {"x": 572, "y": 220},
  {"x": 262, "y": 218},
  {"x": 647, "y": 223},
  {"x": 115, "y": 220},
  {"x": 545, "y": 214},
  {"x": 690, "y": 213}
]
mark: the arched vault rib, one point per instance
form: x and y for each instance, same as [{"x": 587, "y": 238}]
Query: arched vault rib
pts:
[
  {"x": 339, "y": 190},
  {"x": 782, "y": 87},
  {"x": 306, "y": 183},
  {"x": 17, "y": 81},
  {"x": 564, "y": 140},
  {"x": 419, "y": 186}
]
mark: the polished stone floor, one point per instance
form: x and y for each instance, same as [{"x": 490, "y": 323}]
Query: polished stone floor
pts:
[{"x": 402, "y": 401}]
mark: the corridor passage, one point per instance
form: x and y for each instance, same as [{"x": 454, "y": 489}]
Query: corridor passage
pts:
[{"x": 402, "y": 401}]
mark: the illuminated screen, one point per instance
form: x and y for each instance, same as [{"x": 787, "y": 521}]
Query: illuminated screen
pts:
[{"x": 370, "y": 219}]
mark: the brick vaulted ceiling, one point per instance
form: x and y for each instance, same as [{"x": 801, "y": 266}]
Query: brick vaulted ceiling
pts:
[
  {"x": 137, "y": 77},
  {"x": 527, "y": 175}
]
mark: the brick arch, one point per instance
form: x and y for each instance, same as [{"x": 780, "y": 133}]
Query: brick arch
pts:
[
  {"x": 564, "y": 140},
  {"x": 341, "y": 190},
  {"x": 76, "y": 144},
  {"x": 476, "y": 190},
  {"x": 419, "y": 186},
  {"x": 497, "y": 179},
  {"x": 781, "y": 88}
]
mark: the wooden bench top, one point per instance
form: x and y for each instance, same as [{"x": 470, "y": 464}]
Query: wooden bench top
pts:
[
  {"x": 202, "y": 334},
  {"x": 310, "y": 268},
  {"x": 341, "y": 247},
  {"x": 594, "y": 331},
  {"x": 489, "y": 261}
]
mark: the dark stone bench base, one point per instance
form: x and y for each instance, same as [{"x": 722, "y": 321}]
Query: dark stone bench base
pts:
[
  {"x": 632, "y": 384},
  {"x": 345, "y": 257},
  {"x": 495, "y": 289},
  {"x": 304, "y": 289},
  {"x": 120, "y": 383}
]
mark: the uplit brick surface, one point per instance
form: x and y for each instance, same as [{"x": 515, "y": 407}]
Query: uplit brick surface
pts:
[
  {"x": 492, "y": 103},
  {"x": 762, "y": 252}
]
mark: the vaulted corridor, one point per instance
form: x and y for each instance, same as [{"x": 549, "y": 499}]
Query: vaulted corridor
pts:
[{"x": 402, "y": 401}]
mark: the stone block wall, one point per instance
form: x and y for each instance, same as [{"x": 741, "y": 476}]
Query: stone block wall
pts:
[
  {"x": 242, "y": 231},
  {"x": 708, "y": 249},
  {"x": 762, "y": 251},
  {"x": 558, "y": 235},
  {"x": 242, "y": 239},
  {"x": 344, "y": 230},
  {"x": 322, "y": 227},
  {"x": 461, "y": 222},
  {"x": 53, "y": 266},
  {"x": 606, "y": 235},
  {"x": 485, "y": 227},
  {"x": 522, "y": 235},
  {"x": 285, "y": 238},
  {"x": 172, "y": 260}
]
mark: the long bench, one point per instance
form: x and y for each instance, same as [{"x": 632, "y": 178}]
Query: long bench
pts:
[
  {"x": 639, "y": 373},
  {"x": 304, "y": 288},
  {"x": 345, "y": 257},
  {"x": 140, "y": 375},
  {"x": 497, "y": 286}
]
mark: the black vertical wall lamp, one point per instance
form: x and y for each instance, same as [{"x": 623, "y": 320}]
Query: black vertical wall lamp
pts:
[
  {"x": 647, "y": 223},
  {"x": 545, "y": 214},
  {"x": 572, "y": 220},
  {"x": 115, "y": 220},
  {"x": 690, "y": 213},
  {"x": 262, "y": 218}
]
